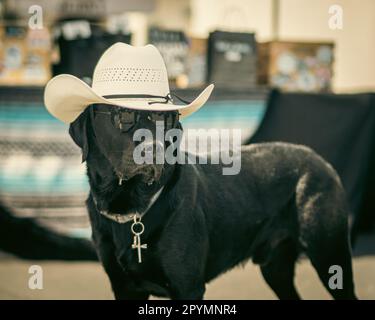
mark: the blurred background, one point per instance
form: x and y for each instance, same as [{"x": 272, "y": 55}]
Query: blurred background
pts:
[{"x": 301, "y": 71}]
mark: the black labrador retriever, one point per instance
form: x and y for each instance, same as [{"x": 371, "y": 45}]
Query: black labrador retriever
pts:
[{"x": 199, "y": 223}]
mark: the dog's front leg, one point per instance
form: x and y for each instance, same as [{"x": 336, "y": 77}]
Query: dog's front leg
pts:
[
  {"x": 184, "y": 255},
  {"x": 188, "y": 293},
  {"x": 186, "y": 281},
  {"x": 121, "y": 285}
]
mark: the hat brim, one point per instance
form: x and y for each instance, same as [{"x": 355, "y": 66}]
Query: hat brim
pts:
[{"x": 66, "y": 97}]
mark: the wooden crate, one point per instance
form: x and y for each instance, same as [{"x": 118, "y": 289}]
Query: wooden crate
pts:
[
  {"x": 296, "y": 66},
  {"x": 24, "y": 56}
]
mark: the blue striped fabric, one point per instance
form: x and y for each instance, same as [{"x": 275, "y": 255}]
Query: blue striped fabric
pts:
[{"x": 245, "y": 115}]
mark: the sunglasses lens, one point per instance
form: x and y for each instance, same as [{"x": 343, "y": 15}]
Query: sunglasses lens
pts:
[
  {"x": 125, "y": 120},
  {"x": 169, "y": 121},
  {"x": 172, "y": 120},
  {"x": 157, "y": 117}
]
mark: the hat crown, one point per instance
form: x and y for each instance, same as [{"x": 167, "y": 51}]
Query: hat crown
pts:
[{"x": 124, "y": 69}]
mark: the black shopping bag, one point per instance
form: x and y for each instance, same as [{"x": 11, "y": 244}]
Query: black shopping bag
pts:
[
  {"x": 79, "y": 56},
  {"x": 174, "y": 48},
  {"x": 232, "y": 59}
]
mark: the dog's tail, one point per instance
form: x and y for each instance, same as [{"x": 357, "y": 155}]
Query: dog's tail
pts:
[{"x": 27, "y": 239}]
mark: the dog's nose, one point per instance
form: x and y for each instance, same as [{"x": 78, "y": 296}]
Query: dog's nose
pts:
[{"x": 149, "y": 173}]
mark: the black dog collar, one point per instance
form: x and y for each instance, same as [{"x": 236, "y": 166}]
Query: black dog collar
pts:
[{"x": 124, "y": 218}]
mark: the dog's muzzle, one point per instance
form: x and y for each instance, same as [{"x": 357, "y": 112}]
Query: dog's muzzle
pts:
[{"x": 149, "y": 173}]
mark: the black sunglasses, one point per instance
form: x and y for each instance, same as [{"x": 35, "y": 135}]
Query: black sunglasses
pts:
[{"x": 126, "y": 119}]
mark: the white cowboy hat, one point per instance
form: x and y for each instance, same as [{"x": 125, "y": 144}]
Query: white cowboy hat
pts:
[{"x": 125, "y": 76}]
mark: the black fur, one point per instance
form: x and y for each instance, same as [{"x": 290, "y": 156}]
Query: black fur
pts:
[{"x": 286, "y": 201}]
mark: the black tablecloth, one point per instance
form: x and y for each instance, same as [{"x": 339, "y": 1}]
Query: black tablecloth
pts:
[{"x": 341, "y": 128}]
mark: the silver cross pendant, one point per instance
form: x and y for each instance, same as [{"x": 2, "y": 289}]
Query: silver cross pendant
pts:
[{"x": 137, "y": 236}]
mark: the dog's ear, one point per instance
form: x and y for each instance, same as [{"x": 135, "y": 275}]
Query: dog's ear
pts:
[{"x": 78, "y": 132}]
